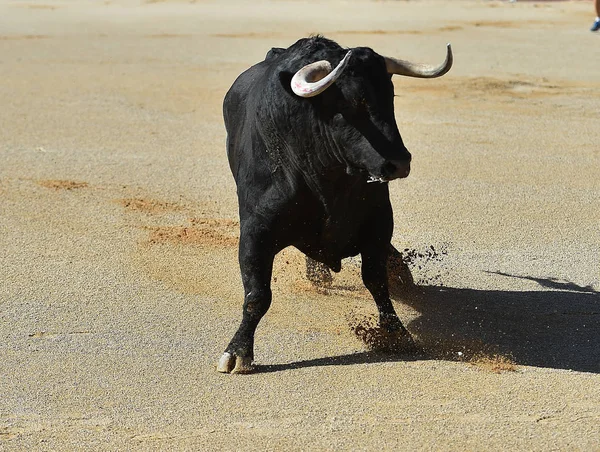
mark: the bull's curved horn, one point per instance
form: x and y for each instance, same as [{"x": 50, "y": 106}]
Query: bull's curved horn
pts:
[
  {"x": 316, "y": 77},
  {"x": 401, "y": 67}
]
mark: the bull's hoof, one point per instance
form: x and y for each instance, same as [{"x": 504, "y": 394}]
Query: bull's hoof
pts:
[
  {"x": 398, "y": 341},
  {"x": 397, "y": 337},
  {"x": 232, "y": 364}
]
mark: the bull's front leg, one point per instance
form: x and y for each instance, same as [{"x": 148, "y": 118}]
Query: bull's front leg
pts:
[
  {"x": 374, "y": 276},
  {"x": 256, "y": 265}
]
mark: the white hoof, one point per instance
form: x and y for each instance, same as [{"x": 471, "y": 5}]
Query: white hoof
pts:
[
  {"x": 226, "y": 363},
  {"x": 234, "y": 364}
]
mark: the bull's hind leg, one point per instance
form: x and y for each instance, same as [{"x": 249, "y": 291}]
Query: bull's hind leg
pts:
[
  {"x": 400, "y": 279},
  {"x": 317, "y": 273},
  {"x": 256, "y": 265}
]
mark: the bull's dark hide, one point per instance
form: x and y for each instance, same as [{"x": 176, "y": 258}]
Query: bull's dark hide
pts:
[{"x": 303, "y": 169}]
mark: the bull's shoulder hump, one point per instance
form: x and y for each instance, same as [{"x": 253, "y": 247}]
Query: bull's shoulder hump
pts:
[{"x": 274, "y": 53}]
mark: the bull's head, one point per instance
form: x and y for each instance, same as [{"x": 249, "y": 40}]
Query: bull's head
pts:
[{"x": 361, "y": 108}]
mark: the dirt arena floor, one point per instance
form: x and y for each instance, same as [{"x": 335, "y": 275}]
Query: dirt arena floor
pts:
[{"x": 118, "y": 217}]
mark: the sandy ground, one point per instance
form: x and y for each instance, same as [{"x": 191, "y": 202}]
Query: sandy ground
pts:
[{"x": 118, "y": 218}]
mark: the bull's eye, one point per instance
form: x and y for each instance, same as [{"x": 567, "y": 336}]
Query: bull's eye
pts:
[{"x": 340, "y": 119}]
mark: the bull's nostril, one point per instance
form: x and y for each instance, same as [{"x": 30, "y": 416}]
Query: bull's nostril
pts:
[
  {"x": 388, "y": 169},
  {"x": 401, "y": 169}
]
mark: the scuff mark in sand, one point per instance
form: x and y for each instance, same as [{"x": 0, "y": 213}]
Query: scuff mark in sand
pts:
[
  {"x": 57, "y": 184},
  {"x": 22, "y": 37},
  {"x": 151, "y": 206},
  {"x": 214, "y": 232}
]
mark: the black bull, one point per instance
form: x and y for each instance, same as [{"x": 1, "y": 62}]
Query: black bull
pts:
[{"x": 311, "y": 155}]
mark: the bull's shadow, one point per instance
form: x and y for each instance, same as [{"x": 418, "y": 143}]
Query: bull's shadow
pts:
[{"x": 555, "y": 328}]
